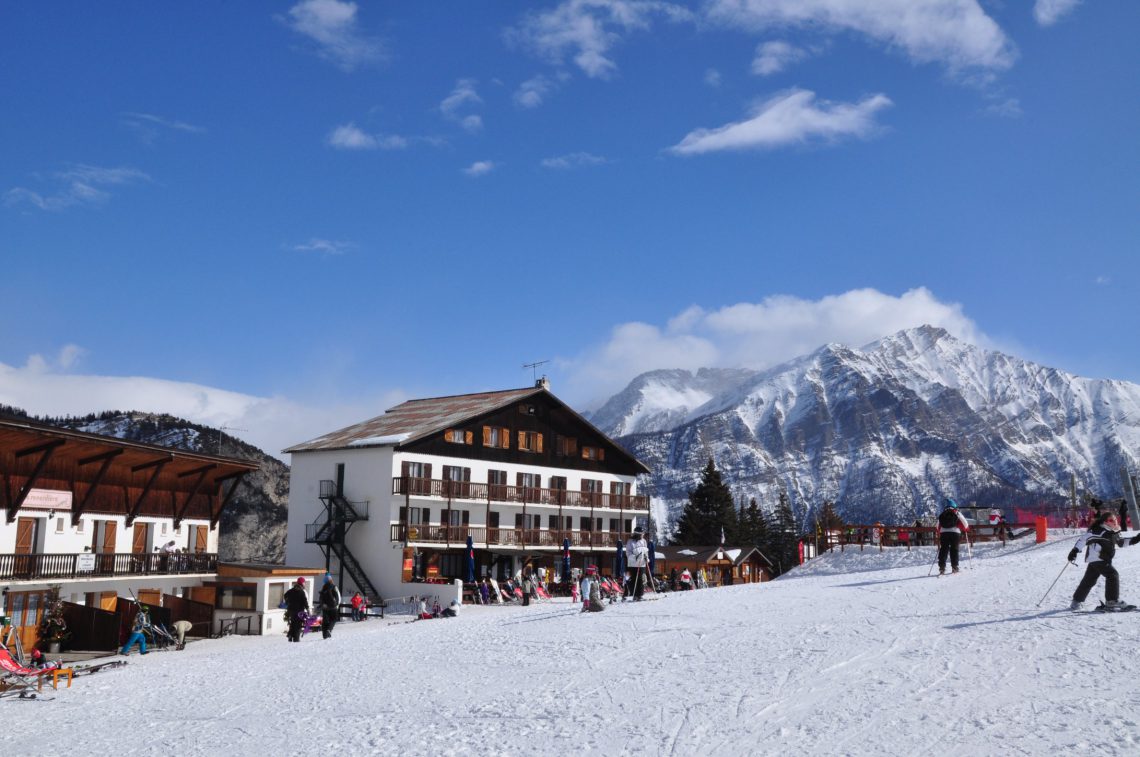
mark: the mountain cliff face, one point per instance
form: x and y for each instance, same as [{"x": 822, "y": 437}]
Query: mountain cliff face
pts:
[
  {"x": 884, "y": 431},
  {"x": 253, "y": 525}
]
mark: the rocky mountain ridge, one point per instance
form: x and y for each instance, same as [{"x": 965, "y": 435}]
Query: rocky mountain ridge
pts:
[{"x": 884, "y": 431}]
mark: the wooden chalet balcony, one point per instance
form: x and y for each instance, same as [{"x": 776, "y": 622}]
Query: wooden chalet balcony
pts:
[
  {"x": 527, "y": 538},
  {"x": 449, "y": 490},
  {"x": 37, "y": 566}
]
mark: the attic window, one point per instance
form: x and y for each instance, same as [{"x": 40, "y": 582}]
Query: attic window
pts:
[
  {"x": 458, "y": 436},
  {"x": 527, "y": 410},
  {"x": 496, "y": 436},
  {"x": 593, "y": 453},
  {"x": 530, "y": 441}
]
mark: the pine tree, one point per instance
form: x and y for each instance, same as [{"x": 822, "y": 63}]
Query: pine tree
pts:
[
  {"x": 710, "y": 508},
  {"x": 783, "y": 536},
  {"x": 752, "y": 529}
]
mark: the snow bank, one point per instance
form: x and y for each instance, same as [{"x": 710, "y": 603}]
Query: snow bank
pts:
[{"x": 859, "y": 653}]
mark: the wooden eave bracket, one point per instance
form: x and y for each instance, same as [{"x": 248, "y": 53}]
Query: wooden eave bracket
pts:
[
  {"x": 235, "y": 479},
  {"x": 106, "y": 459},
  {"x": 45, "y": 451},
  {"x": 201, "y": 473},
  {"x": 157, "y": 465}
]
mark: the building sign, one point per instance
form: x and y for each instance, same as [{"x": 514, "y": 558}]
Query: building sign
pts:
[
  {"x": 47, "y": 499},
  {"x": 85, "y": 562}
]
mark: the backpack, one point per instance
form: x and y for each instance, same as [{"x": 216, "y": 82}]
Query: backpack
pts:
[{"x": 948, "y": 519}]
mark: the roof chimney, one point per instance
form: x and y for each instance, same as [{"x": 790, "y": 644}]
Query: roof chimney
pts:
[{"x": 543, "y": 383}]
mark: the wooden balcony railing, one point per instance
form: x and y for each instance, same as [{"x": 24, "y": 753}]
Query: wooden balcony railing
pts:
[
  {"x": 37, "y": 566},
  {"x": 449, "y": 490},
  {"x": 481, "y": 536}
]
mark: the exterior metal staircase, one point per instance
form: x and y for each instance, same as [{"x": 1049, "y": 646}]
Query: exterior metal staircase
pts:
[{"x": 329, "y": 533}]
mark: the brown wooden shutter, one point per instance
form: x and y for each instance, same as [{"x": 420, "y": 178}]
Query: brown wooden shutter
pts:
[
  {"x": 538, "y": 443},
  {"x": 403, "y": 515},
  {"x": 505, "y": 438},
  {"x": 425, "y": 516},
  {"x": 138, "y": 542},
  {"x": 519, "y": 480},
  {"x": 25, "y": 535},
  {"x": 601, "y": 453},
  {"x": 466, "y": 517},
  {"x": 518, "y": 520},
  {"x": 468, "y": 437},
  {"x": 200, "y": 542},
  {"x": 522, "y": 440},
  {"x": 427, "y": 471},
  {"x": 467, "y": 475},
  {"x": 486, "y": 436},
  {"x": 404, "y": 466},
  {"x": 110, "y": 534}
]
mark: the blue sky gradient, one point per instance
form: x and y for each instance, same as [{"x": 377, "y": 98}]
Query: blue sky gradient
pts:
[{"x": 319, "y": 208}]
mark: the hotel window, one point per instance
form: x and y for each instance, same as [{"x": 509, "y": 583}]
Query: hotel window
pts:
[
  {"x": 59, "y": 525},
  {"x": 412, "y": 515},
  {"x": 497, "y": 484},
  {"x": 565, "y": 446},
  {"x": 418, "y": 475},
  {"x": 530, "y": 441},
  {"x": 79, "y": 526},
  {"x": 459, "y": 436},
  {"x": 593, "y": 453},
  {"x": 591, "y": 492},
  {"x": 458, "y": 481},
  {"x": 496, "y": 436},
  {"x": 619, "y": 493},
  {"x": 275, "y": 594}
]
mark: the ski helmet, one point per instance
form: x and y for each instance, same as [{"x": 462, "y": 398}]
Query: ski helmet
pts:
[{"x": 949, "y": 504}]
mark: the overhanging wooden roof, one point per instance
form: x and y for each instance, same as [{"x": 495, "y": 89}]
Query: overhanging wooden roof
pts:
[{"x": 113, "y": 476}]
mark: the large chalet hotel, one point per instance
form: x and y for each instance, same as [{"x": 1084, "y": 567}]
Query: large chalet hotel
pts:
[{"x": 512, "y": 477}]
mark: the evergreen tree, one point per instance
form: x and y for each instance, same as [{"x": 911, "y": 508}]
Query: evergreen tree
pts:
[
  {"x": 784, "y": 539},
  {"x": 710, "y": 508},
  {"x": 752, "y": 530}
]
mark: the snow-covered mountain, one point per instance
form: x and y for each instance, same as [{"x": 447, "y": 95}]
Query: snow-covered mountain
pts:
[
  {"x": 253, "y": 525},
  {"x": 884, "y": 431}
]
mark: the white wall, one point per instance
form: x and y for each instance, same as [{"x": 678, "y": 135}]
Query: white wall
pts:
[{"x": 73, "y": 539}]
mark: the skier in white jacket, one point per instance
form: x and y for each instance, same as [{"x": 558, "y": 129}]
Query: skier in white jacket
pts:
[{"x": 637, "y": 554}]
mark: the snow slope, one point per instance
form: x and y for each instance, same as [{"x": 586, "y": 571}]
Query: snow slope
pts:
[{"x": 859, "y": 653}]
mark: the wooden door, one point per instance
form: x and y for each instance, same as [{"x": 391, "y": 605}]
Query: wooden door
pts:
[
  {"x": 25, "y": 535},
  {"x": 110, "y": 535},
  {"x": 200, "y": 535},
  {"x": 138, "y": 543},
  {"x": 151, "y": 597},
  {"x": 203, "y": 594}
]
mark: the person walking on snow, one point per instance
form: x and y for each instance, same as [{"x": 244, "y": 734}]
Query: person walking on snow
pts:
[
  {"x": 951, "y": 526},
  {"x": 637, "y": 551},
  {"x": 296, "y": 604},
  {"x": 330, "y": 606},
  {"x": 142, "y": 622},
  {"x": 1100, "y": 543}
]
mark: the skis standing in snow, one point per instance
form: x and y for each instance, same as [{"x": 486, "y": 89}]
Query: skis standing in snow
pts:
[
  {"x": 951, "y": 526},
  {"x": 1100, "y": 543}
]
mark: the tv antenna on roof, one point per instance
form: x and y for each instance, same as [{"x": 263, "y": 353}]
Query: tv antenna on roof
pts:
[{"x": 534, "y": 367}]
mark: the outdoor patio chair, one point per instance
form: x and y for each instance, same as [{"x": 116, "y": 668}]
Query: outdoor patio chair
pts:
[{"x": 17, "y": 680}]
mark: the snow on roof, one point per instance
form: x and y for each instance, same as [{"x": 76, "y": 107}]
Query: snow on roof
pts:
[
  {"x": 377, "y": 441},
  {"x": 686, "y": 552}
]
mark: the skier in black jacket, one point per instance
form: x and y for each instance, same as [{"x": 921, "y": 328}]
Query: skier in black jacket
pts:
[
  {"x": 951, "y": 526},
  {"x": 330, "y": 606},
  {"x": 296, "y": 602},
  {"x": 1101, "y": 541}
]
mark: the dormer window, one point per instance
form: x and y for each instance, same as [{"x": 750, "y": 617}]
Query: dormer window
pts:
[
  {"x": 530, "y": 441},
  {"x": 458, "y": 436},
  {"x": 496, "y": 436}
]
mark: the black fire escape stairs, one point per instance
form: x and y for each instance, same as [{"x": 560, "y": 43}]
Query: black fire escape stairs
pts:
[{"x": 329, "y": 531}]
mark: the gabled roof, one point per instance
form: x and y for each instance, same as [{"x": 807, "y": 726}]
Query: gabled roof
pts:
[
  {"x": 415, "y": 419},
  {"x": 703, "y": 554}
]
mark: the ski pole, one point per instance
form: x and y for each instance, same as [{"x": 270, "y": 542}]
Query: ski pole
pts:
[
  {"x": 970, "y": 550},
  {"x": 1055, "y": 580},
  {"x": 932, "y": 562}
]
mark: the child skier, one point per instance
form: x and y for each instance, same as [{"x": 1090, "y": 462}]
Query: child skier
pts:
[{"x": 1101, "y": 541}]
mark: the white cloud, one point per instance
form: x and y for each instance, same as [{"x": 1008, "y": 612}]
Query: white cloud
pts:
[
  {"x": 757, "y": 335},
  {"x": 1048, "y": 12},
  {"x": 712, "y": 77},
  {"x": 147, "y": 125},
  {"x": 78, "y": 185},
  {"x": 479, "y": 168},
  {"x": 532, "y": 92},
  {"x": 956, "y": 33},
  {"x": 773, "y": 57},
  {"x": 1102, "y": 281},
  {"x": 324, "y": 246},
  {"x": 43, "y": 386},
  {"x": 1009, "y": 107},
  {"x": 332, "y": 24},
  {"x": 573, "y": 160},
  {"x": 351, "y": 137},
  {"x": 788, "y": 118},
  {"x": 461, "y": 98},
  {"x": 586, "y": 30}
]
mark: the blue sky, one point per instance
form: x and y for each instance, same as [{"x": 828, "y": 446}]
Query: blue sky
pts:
[{"x": 287, "y": 217}]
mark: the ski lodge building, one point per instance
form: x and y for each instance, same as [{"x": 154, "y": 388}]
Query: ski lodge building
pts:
[
  {"x": 506, "y": 478},
  {"x": 109, "y": 522}
]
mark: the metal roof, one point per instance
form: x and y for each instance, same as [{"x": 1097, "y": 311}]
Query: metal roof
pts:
[{"x": 414, "y": 419}]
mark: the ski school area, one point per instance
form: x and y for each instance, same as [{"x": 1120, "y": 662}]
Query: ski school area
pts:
[{"x": 855, "y": 653}]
